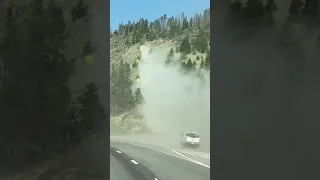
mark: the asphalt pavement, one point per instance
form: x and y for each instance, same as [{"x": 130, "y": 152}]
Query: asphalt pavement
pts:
[
  {"x": 118, "y": 171},
  {"x": 165, "y": 164}
]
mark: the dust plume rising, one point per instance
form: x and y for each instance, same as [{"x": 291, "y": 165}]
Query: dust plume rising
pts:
[{"x": 175, "y": 103}]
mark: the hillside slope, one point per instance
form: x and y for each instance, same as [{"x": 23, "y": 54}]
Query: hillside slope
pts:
[{"x": 172, "y": 78}]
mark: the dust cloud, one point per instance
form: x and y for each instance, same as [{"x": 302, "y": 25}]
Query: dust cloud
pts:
[{"x": 175, "y": 103}]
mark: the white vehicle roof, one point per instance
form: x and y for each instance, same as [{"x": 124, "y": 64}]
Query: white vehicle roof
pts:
[{"x": 191, "y": 133}]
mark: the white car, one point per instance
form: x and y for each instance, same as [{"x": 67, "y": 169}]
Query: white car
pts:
[{"x": 190, "y": 139}]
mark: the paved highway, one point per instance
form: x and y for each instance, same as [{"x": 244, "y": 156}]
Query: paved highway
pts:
[
  {"x": 118, "y": 171},
  {"x": 166, "y": 164},
  {"x": 163, "y": 140}
]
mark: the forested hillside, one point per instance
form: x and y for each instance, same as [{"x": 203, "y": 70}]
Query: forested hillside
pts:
[{"x": 188, "y": 39}]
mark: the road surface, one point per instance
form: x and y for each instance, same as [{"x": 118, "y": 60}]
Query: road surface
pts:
[
  {"x": 118, "y": 171},
  {"x": 165, "y": 163},
  {"x": 167, "y": 141}
]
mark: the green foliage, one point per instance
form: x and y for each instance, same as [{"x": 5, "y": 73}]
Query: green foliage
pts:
[
  {"x": 201, "y": 64},
  {"x": 183, "y": 57},
  {"x": 134, "y": 64},
  {"x": 170, "y": 57},
  {"x": 189, "y": 65},
  {"x": 138, "y": 97},
  {"x": 121, "y": 96},
  {"x": 201, "y": 42},
  {"x": 164, "y": 27},
  {"x": 170, "y": 54},
  {"x": 177, "y": 49},
  {"x": 185, "y": 46},
  {"x": 207, "y": 60},
  {"x": 194, "y": 64},
  {"x": 194, "y": 52}
]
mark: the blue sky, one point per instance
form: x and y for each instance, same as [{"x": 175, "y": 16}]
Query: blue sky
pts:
[{"x": 133, "y": 10}]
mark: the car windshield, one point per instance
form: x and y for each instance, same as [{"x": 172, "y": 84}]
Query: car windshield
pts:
[{"x": 192, "y": 135}]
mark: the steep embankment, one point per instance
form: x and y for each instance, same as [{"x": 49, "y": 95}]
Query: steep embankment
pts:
[{"x": 175, "y": 103}]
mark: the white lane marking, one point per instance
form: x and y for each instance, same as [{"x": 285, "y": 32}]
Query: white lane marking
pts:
[
  {"x": 134, "y": 162},
  {"x": 180, "y": 154},
  {"x": 155, "y": 179},
  {"x": 195, "y": 161},
  {"x": 180, "y": 157},
  {"x": 119, "y": 152}
]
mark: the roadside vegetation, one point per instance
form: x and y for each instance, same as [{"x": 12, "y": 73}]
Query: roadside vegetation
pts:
[
  {"x": 41, "y": 115},
  {"x": 189, "y": 38}
]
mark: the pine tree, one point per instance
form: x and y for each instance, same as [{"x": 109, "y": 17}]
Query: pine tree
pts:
[
  {"x": 124, "y": 92},
  {"x": 177, "y": 49},
  {"x": 183, "y": 67},
  {"x": 189, "y": 65},
  {"x": 201, "y": 65},
  {"x": 185, "y": 46},
  {"x": 201, "y": 42},
  {"x": 185, "y": 23},
  {"x": 190, "y": 23},
  {"x": 194, "y": 65},
  {"x": 183, "y": 57},
  {"x": 207, "y": 60},
  {"x": 138, "y": 97},
  {"x": 170, "y": 56}
]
